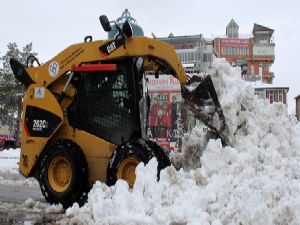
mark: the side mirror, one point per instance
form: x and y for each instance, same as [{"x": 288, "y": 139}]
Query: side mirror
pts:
[
  {"x": 127, "y": 29},
  {"x": 105, "y": 23}
]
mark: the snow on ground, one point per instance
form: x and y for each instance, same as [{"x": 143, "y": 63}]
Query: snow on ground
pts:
[
  {"x": 30, "y": 211},
  {"x": 256, "y": 181},
  {"x": 9, "y": 159},
  {"x": 9, "y": 169}
]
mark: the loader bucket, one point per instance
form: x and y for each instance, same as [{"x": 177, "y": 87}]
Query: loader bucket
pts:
[{"x": 201, "y": 99}]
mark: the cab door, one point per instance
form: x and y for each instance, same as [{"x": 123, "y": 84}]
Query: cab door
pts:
[{"x": 105, "y": 103}]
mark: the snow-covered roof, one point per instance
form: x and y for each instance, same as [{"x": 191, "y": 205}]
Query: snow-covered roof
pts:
[{"x": 259, "y": 85}]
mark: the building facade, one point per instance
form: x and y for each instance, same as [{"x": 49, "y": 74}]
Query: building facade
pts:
[
  {"x": 195, "y": 52},
  {"x": 272, "y": 93},
  {"x": 253, "y": 53}
]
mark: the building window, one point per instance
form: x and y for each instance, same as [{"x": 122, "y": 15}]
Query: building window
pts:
[
  {"x": 262, "y": 38},
  {"x": 243, "y": 51},
  {"x": 265, "y": 66},
  {"x": 271, "y": 98},
  {"x": 189, "y": 57},
  {"x": 224, "y": 51},
  {"x": 261, "y": 95},
  {"x": 280, "y": 97},
  {"x": 199, "y": 56},
  {"x": 230, "y": 51},
  {"x": 275, "y": 96},
  {"x": 207, "y": 57}
]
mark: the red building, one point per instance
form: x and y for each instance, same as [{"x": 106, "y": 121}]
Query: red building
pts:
[{"x": 253, "y": 53}]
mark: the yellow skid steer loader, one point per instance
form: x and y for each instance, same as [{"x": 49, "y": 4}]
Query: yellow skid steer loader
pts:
[{"x": 81, "y": 112}]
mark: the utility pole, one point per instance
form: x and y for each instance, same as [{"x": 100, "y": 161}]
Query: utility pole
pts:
[{"x": 19, "y": 120}]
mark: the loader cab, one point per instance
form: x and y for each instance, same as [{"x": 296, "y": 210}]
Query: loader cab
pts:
[{"x": 107, "y": 102}]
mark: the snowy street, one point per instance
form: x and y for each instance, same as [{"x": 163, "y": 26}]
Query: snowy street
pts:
[
  {"x": 14, "y": 188},
  {"x": 21, "y": 200},
  {"x": 18, "y": 194}
]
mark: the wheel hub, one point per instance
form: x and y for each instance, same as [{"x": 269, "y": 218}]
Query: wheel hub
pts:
[
  {"x": 59, "y": 173},
  {"x": 126, "y": 170}
]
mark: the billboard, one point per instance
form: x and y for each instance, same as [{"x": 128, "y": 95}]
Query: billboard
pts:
[{"x": 168, "y": 119}]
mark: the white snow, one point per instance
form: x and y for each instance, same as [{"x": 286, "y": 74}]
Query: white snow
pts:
[
  {"x": 9, "y": 169},
  {"x": 30, "y": 211},
  {"x": 39, "y": 206},
  {"x": 9, "y": 159},
  {"x": 255, "y": 181}
]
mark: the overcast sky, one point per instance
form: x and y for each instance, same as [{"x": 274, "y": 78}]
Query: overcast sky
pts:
[{"x": 52, "y": 25}]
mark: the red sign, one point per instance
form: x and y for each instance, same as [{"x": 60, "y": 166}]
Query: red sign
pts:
[
  {"x": 3, "y": 137},
  {"x": 234, "y": 42}
]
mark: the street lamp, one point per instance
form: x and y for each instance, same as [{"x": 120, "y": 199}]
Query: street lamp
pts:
[{"x": 19, "y": 119}]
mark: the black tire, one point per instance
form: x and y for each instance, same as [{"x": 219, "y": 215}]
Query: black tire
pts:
[
  {"x": 77, "y": 183},
  {"x": 142, "y": 150}
]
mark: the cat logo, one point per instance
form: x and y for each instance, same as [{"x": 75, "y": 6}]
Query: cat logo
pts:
[{"x": 111, "y": 47}]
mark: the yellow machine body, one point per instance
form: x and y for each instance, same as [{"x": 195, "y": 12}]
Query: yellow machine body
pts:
[{"x": 49, "y": 80}]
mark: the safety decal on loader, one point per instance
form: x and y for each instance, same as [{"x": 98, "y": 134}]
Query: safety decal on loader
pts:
[
  {"x": 53, "y": 69},
  {"x": 39, "y": 92}
]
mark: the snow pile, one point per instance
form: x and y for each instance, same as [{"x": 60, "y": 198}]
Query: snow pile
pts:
[
  {"x": 9, "y": 164},
  {"x": 257, "y": 181},
  {"x": 9, "y": 169},
  {"x": 37, "y": 206},
  {"x": 9, "y": 158}
]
